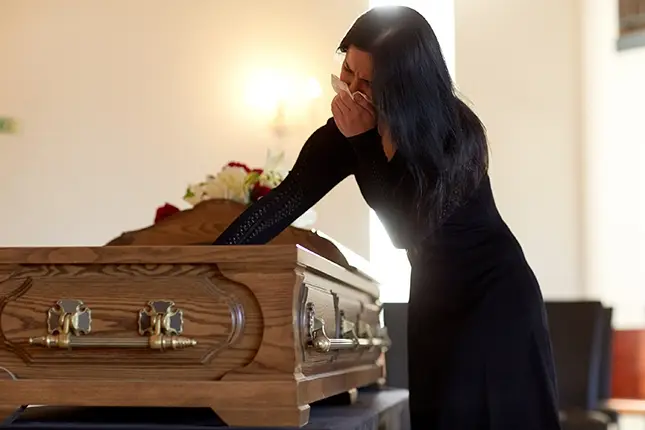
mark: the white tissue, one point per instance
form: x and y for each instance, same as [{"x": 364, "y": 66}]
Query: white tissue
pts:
[{"x": 339, "y": 86}]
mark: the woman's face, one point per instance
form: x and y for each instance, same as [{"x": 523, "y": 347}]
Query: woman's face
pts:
[
  {"x": 357, "y": 74},
  {"x": 356, "y": 71}
]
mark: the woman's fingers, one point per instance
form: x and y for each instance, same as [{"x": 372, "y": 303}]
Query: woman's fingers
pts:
[
  {"x": 340, "y": 106},
  {"x": 346, "y": 100},
  {"x": 334, "y": 108},
  {"x": 362, "y": 101},
  {"x": 351, "y": 117},
  {"x": 338, "y": 114}
]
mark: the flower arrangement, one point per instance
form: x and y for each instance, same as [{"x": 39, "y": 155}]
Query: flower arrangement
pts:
[{"x": 240, "y": 183}]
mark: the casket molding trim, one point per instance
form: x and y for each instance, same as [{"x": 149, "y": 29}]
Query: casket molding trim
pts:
[
  {"x": 325, "y": 268},
  {"x": 237, "y": 314},
  {"x": 272, "y": 342},
  {"x": 14, "y": 295}
]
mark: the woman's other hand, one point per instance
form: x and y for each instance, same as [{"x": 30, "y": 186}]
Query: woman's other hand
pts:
[{"x": 353, "y": 116}]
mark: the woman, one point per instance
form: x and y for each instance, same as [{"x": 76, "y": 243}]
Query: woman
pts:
[{"x": 479, "y": 348}]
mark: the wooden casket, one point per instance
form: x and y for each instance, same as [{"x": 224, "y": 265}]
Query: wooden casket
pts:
[{"x": 255, "y": 332}]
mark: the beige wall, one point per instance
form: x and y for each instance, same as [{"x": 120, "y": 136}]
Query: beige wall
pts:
[
  {"x": 614, "y": 115},
  {"x": 121, "y": 103},
  {"x": 564, "y": 111},
  {"x": 518, "y": 63}
]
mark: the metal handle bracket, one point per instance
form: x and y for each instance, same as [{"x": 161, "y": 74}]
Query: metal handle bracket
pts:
[{"x": 69, "y": 321}]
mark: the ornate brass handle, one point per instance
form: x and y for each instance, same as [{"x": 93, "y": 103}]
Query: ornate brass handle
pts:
[
  {"x": 160, "y": 325},
  {"x": 321, "y": 342}
]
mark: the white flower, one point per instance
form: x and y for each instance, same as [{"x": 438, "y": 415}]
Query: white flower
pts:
[
  {"x": 272, "y": 173},
  {"x": 235, "y": 183},
  {"x": 229, "y": 184},
  {"x": 270, "y": 178}
]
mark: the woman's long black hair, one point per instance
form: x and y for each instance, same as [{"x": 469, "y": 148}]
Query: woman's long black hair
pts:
[{"x": 441, "y": 139}]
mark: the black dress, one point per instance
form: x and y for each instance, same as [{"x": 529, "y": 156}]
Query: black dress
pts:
[{"x": 479, "y": 348}]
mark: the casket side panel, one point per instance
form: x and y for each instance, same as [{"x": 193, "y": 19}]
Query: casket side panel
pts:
[
  {"x": 355, "y": 309},
  {"x": 221, "y": 315},
  {"x": 356, "y": 306}
]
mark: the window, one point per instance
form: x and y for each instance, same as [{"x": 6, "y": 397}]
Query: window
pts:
[{"x": 391, "y": 264}]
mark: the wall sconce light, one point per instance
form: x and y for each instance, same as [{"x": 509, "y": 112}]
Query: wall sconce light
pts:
[{"x": 284, "y": 100}]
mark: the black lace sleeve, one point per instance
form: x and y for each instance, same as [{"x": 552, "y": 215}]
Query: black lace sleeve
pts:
[{"x": 324, "y": 161}]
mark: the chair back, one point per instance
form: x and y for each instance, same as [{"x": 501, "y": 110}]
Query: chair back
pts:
[
  {"x": 577, "y": 336},
  {"x": 395, "y": 316}
]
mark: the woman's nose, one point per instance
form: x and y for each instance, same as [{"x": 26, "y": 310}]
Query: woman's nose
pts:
[{"x": 353, "y": 86}]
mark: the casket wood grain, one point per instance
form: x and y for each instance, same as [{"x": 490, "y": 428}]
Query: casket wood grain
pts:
[
  {"x": 260, "y": 331},
  {"x": 202, "y": 225}
]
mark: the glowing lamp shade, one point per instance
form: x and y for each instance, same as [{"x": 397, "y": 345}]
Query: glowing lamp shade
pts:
[
  {"x": 280, "y": 98},
  {"x": 268, "y": 89}
]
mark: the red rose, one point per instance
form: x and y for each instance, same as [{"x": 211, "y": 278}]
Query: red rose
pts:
[
  {"x": 238, "y": 164},
  {"x": 165, "y": 211},
  {"x": 258, "y": 192}
]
